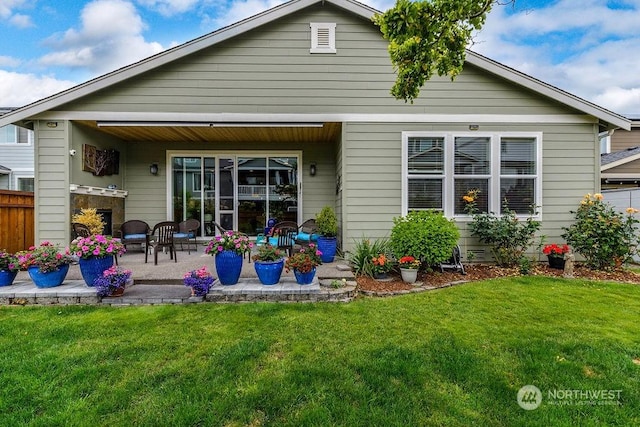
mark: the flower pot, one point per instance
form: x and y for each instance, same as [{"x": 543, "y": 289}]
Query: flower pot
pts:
[
  {"x": 304, "y": 278},
  {"x": 380, "y": 276},
  {"x": 269, "y": 272},
  {"x": 117, "y": 292},
  {"x": 7, "y": 277},
  {"x": 228, "y": 267},
  {"x": 409, "y": 275},
  {"x": 50, "y": 278},
  {"x": 328, "y": 247},
  {"x": 93, "y": 267},
  {"x": 556, "y": 262}
]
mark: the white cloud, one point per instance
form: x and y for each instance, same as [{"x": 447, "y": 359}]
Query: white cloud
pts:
[
  {"x": 7, "y": 61},
  {"x": 7, "y": 6},
  {"x": 581, "y": 47},
  {"x": 18, "y": 89},
  {"x": 169, "y": 7},
  {"x": 21, "y": 21},
  {"x": 109, "y": 38}
]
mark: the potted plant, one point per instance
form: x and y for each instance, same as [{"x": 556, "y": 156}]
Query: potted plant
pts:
[
  {"x": 327, "y": 225},
  {"x": 9, "y": 267},
  {"x": 46, "y": 264},
  {"x": 304, "y": 263},
  {"x": 555, "y": 254},
  {"x": 228, "y": 249},
  {"x": 409, "y": 268},
  {"x": 95, "y": 254},
  {"x": 268, "y": 263},
  {"x": 382, "y": 265},
  {"x": 199, "y": 281},
  {"x": 112, "y": 282}
]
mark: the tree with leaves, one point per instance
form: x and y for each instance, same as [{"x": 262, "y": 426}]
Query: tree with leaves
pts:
[{"x": 430, "y": 36}]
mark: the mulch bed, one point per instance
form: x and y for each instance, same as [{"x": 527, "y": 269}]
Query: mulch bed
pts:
[{"x": 478, "y": 272}]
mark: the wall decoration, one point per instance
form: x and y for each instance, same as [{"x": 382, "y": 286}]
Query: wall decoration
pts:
[
  {"x": 88, "y": 158},
  {"x": 100, "y": 162}
]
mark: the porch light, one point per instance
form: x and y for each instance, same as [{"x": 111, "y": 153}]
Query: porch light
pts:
[
  {"x": 153, "y": 169},
  {"x": 312, "y": 169}
]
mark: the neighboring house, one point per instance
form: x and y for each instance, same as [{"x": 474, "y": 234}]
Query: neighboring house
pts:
[
  {"x": 16, "y": 157},
  {"x": 288, "y": 111},
  {"x": 620, "y": 161}
]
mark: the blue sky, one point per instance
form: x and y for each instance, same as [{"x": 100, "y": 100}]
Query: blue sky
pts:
[{"x": 587, "y": 47}]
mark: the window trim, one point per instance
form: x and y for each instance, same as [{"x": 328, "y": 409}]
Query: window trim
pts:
[{"x": 495, "y": 172}]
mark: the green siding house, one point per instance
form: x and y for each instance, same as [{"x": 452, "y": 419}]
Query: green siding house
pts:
[{"x": 285, "y": 112}]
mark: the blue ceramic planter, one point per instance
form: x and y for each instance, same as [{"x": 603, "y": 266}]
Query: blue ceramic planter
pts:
[
  {"x": 7, "y": 277},
  {"x": 228, "y": 267},
  {"x": 328, "y": 247},
  {"x": 269, "y": 272},
  {"x": 50, "y": 278},
  {"x": 92, "y": 268},
  {"x": 305, "y": 278}
]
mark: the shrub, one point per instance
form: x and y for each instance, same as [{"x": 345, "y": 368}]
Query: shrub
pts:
[
  {"x": 604, "y": 237},
  {"x": 361, "y": 258},
  {"x": 508, "y": 237},
  {"x": 327, "y": 222},
  {"x": 91, "y": 218},
  {"x": 425, "y": 235}
]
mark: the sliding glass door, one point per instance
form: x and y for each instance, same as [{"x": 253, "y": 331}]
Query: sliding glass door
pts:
[{"x": 237, "y": 192}]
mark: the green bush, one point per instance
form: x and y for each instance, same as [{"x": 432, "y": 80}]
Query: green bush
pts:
[
  {"x": 361, "y": 257},
  {"x": 508, "y": 237},
  {"x": 327, "y": 222},
  {"x": 604, "y": 237},
  {"x": 425, "y": 235}
]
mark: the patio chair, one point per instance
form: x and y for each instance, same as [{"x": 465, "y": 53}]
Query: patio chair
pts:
[
  {"x": 307, "y": 233},
  {"x": 161, "y": 237},
  {"x": 134, "y": 232},
  {"x": 80, "y": 230},
  {"x": 454, "y": 263},
  {"x": 286, "y": 232},
  {"x": 187, "y": 232}
]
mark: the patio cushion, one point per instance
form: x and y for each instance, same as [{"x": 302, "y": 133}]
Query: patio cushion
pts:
[
  {"x": 183, "y": 235},
  {"x": 306, "y": 237},
  {"x": 135, "y": 236}
]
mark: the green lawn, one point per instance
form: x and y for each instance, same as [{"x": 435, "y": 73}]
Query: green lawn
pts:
[{"x": 457, "y": 356}]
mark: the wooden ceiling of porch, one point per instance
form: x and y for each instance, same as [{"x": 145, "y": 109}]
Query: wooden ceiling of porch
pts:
[{"x": 329, "y": 132}]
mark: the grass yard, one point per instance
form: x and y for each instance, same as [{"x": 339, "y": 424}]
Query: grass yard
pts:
[{"x": 452, "y": 357}]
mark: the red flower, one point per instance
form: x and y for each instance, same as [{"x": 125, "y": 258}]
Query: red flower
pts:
[{"x": 554, "y": 249}]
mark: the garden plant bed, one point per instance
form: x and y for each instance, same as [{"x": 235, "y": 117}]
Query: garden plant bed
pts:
[{"x": 476, "y": 272}]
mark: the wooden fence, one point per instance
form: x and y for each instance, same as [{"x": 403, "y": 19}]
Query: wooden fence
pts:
[{"x": 16, "y": 220}]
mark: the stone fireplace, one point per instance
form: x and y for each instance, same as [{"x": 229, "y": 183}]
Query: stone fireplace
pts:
[{"x": 111, "y": 208}]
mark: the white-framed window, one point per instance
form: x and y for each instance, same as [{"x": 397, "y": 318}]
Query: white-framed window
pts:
[
  {"x": 8, "y": 134},
  {"x": 440, "y": 168}
]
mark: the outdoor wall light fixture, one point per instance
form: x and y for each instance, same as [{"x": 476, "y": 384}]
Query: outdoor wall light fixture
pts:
[
  {"x": 312, "y": 169},
  {"x": 153, "y": 169},
  {"x": 474, "y": 127},
  {"x": 52, "y": 124}
]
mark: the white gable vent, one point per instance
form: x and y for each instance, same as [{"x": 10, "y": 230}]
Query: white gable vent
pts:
[{"x": 323, "y": 37}]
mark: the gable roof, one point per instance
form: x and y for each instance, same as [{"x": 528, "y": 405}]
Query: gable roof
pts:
[
  {"x": 617, "y": 158},
  {"x": 612, "y": 120}
]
